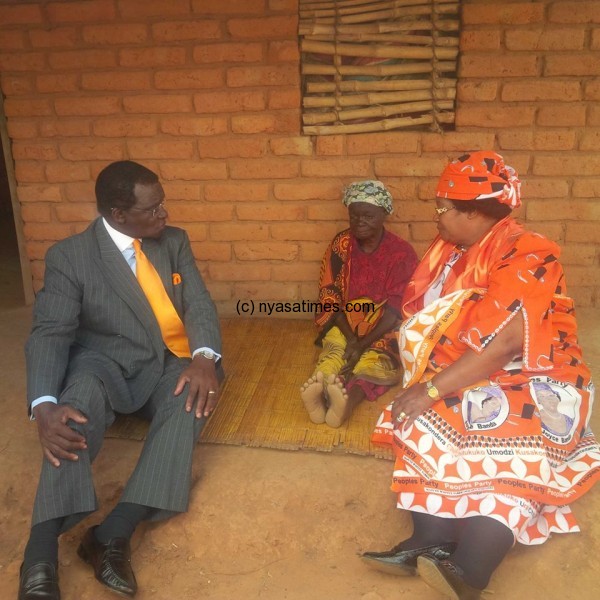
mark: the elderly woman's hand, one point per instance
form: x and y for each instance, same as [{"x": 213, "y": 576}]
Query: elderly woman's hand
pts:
[{"x": 410, "y": 403}]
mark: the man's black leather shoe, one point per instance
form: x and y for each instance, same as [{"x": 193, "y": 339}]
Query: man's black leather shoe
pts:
[
  {"x": 404, "y": 562},
  {"x": 111, "y": 562},
  {"x": 39, "y": 582}
]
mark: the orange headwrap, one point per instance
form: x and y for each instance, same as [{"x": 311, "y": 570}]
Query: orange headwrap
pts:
[{"x": 480, "y": 175}]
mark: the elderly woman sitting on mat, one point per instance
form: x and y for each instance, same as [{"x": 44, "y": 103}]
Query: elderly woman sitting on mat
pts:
[{"x": 363, "y": 275}]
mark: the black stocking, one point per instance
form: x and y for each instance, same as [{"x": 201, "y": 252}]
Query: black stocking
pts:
[{"x": 430, "y": 531}]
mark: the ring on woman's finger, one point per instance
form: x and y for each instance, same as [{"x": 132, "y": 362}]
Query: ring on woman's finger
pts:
[
  {"x": 211, "y": 392},
  {"x": 401, "y": 417}
]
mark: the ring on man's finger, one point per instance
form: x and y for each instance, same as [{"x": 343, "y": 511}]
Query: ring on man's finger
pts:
[
  {"x": 401, "y": 417},
  {"x": 211, "y": 392}
]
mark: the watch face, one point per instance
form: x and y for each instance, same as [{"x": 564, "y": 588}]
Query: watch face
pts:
[{"x": 208, "y": 354}]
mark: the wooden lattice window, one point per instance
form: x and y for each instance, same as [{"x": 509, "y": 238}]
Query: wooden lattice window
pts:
[{"x": 378, "y": 65}]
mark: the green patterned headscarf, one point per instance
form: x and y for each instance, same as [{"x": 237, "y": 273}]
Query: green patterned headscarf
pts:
[{"x": 371, "y": 192}]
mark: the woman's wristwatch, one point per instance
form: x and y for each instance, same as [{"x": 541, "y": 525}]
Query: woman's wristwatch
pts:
[{"x": 432, "y": 391}]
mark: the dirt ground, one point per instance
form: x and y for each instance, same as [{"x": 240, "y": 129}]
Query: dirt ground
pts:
[{"x": 264, "y": 524}]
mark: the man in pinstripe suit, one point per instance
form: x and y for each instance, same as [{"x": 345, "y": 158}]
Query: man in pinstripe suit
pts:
[{"x": 96, "y": 348}]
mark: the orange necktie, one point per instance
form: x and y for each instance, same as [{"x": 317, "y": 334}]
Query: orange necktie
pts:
[{"x": 171, "y": 327}]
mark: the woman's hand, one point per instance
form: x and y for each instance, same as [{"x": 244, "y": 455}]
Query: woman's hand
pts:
[
  {"x": 354, "y": 350},
  {"x": 410, "y": 403}
]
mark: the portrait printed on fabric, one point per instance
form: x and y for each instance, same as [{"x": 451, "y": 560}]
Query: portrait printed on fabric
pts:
[
  {"x": 558, "y": 406},
  {"x": 484, "y": 408}
]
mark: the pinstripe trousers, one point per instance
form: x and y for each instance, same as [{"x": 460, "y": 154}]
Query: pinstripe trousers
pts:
[{"x": 162, "y": 476}]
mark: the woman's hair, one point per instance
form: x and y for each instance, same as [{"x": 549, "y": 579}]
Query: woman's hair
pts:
[{"x": 490, "y": 207}]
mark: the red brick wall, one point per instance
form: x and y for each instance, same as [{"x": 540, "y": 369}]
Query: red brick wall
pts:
[{"x": 206, "y": 92}]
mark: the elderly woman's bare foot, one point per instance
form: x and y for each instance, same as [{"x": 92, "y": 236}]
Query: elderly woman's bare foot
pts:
[
  {"x": 312, "y": 396},
  {"x": 339, "y": 406}
]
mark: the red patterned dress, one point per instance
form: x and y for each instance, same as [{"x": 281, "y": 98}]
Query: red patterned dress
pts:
[{"x": 516, "y": 446}]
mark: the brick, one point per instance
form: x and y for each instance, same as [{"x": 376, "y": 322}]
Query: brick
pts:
[
  {"x": 213, "y": 251},
  {"x": 68, "y": 213},
  {"x": 161, "y": 149},
  {"x": 46, "y": 231},
  {"x": 477, "y": 91},
  {"x": 228, "y": 52},
  {"x": 181, "y": 191},
  {"x": 454, "y": 141},
  {"x": 572, "y": 65},
  {"x": 197, "y": 232},
  {"x": 499, "y": 116},
  {"x": 277, "y": 27},
  {"x": 65, "y": 128},
  {"x": 12, "y": 40},
  {"x": 588, "y": 187},
  {"x": 270, "y": 212},
  {"x": 583, "y": 276},
  {"x": 299, "y": 146},
  {"x": 265, "y": 251},
  {"x": 330, "y": 145},
  {"x": 590, "y": 139},
  {"x": 136, "y": 9},
  {"x": 25, "y": 129},
  {"x": 594, "y": 115},
  {"x": 266, "y": 292},
  {"x": 129, "y": 127},
  {"x": 333, "y": 211},
  {"x": 22, "y": 61},
  {"x": 235, "y": 232},
  {"x": 66, "y": 82},
  {"x": 317, "y": 232},
  {"x": 263, "y": 75},
  {"x": 194, "y": 126},
  {"x": 401, "y": 188},
  {"x": 39, "y": 193},
  {"x": 561, "y": 116},
  {"x": 382, "y": 143},
  {"x": 229, "y": 101},
  {"x": 245, "y": 272},
  {"x": 282, "y": 98},
  {"x": 193, "y": 171},
  {"x": 582, "y": 233},
  {"x": 578, "y": 254},
  {"x": 115, "y": 33},
  {"x": 82, "y": 59},
  {"x": 87, "y": 11},
  {"x": 233, "y": 192},
  {"x": 308, "y": 190},
  {"x": 574, "y": 12},
  {"x": 595, "y": 42},
  {"x": 552, "y": 230},
  {"x": 544, "y": 188},
  {"x": 479, "y": 40},
  {"x": 186, "y": 212},
  {"x": 21, "y": 14},
  {"x": 57, "y": 37},
  {"x": 283, "y": 51},
  {"x": 193, "y": 30},
  {"x": 336, "y": 167},
  {"x": 37, "y": 250},
  {"x": 59, "y": 172},
  {"x": 158, "y": 103},
  {"x": 35, "y": 213},
  {"x": 266, "y": 168},
  {"x": 218, "y": 7},
  {"x": 540, "y": 140},
  {"x": 111, "y": 80},
  {"x": 556, "y": 210},
  {"x": 407, "y": 166},
  {"x": 516, "y": 13},
  {"x": 221, "y": 292},
  {"x": 426, "y": 187},
  {"x": 152, "y": 57},
  {"x": 423, "y": 232},
  {"x": 19, "y": 107},
  {"x": 545, "y": 38},
  {"x": 274, "y": 122},
  {"x": 301, "y": 272},
  {"x": 592, "y": 89},
  {"x": 584, "y": 297},
  {"x": 283, "y": 5},
  {"x": 34, "y": 151},
  {"x": 509, "y": 65},
  {"x": 91, "y": 150},
  {"x": 195, "y": 79},
  {"x": 78, "y": 191},
  {"x": 534, "y": 91},
  {"x": 16, "y": 85},
  {"x": 232, "y": 147},
  {"x": 97, "y": 106}
]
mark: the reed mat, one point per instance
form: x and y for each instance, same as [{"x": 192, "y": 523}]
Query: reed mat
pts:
[{"x": 266, "y": 361}]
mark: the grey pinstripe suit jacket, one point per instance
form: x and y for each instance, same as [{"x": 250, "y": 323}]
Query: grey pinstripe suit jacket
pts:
[{"x": 92, "y": 313}]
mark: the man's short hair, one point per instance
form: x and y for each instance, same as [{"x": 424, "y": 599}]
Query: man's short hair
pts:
[{"x": 116, "y": 182}]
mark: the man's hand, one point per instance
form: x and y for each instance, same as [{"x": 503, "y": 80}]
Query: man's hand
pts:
[
  {"x": 410, "y": 403},
  {"x": 203, "y": 391},
  {"x": 58, "y": 440}
]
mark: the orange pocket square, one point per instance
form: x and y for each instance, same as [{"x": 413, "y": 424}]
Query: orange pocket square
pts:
[{"x": 176, "y": 278}]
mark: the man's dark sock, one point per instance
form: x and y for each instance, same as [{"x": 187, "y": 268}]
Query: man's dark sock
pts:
[
  {"x": 43, "y": 543},
  {"x": 122, "y": 521}
]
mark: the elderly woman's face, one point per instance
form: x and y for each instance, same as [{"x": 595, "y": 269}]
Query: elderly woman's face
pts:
[{"x": 366, "y": 220}]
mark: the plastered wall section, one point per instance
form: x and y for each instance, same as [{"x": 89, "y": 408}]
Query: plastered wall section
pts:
[{"x": 207, "y": 94}]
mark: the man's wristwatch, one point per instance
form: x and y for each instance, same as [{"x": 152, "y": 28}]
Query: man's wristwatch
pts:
[
  {"x": 432, "y": 391},
  {"x": 208, "y": 354}
]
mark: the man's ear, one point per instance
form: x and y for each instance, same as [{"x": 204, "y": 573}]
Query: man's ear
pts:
[{"x": 117, "y": 215}]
